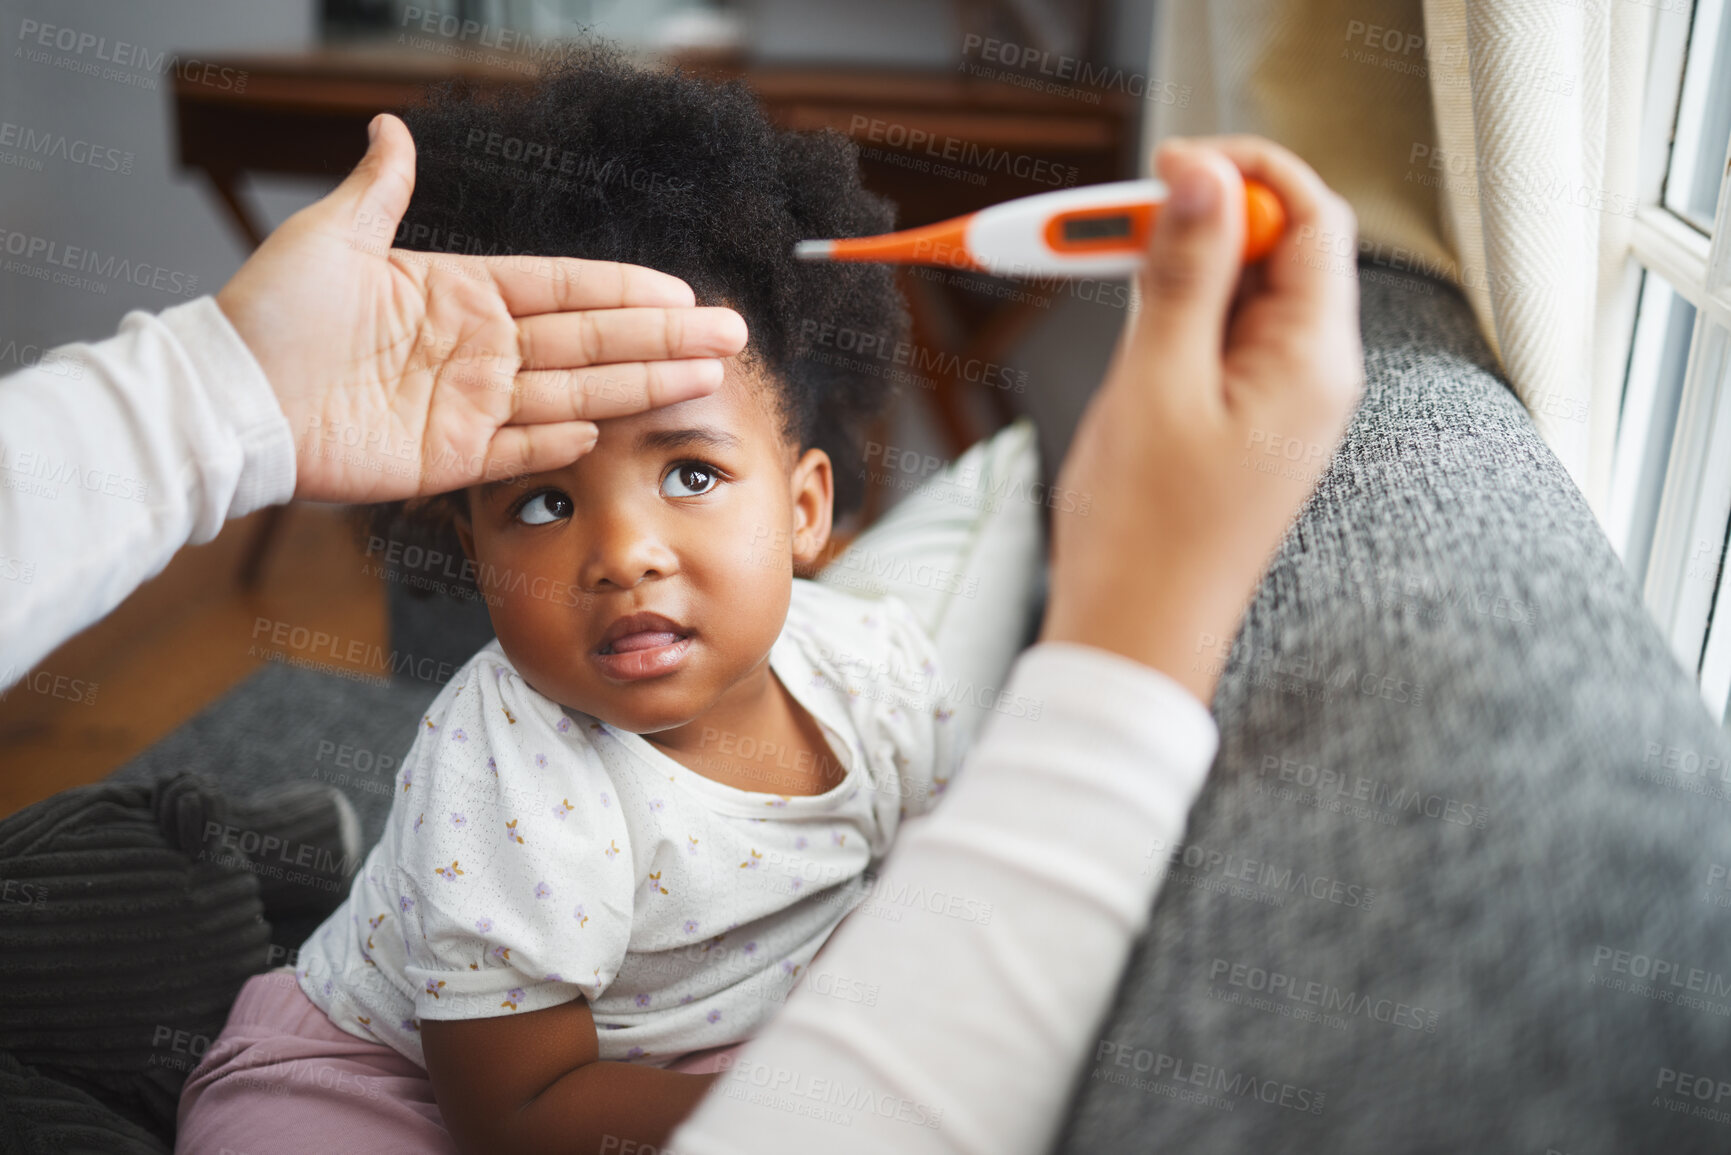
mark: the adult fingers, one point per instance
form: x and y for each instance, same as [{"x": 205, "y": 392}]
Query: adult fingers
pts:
[
  {"x": 1193, "y": 257},
  {"x": 532, "y": 285},
  {"x": 603, "y": 391},
  {"x": 1315, "y": 259},
  {"x": 519, "y": 449},
  {"x": 375, "y": 194},
  {"x": 606, "y": 336}
]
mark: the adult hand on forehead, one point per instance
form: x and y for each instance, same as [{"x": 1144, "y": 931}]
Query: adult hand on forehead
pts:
[{"x": 406, "y": 373}]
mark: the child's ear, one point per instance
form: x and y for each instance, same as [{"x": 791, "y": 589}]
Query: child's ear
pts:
[{"x": 813, "y": 492}]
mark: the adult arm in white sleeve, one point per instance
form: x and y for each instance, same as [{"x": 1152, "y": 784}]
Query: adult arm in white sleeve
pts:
[
  {"x": 115, "y": 454},
  {"x": 429, "y": 372},
  {"x": 994, "y": 937}
]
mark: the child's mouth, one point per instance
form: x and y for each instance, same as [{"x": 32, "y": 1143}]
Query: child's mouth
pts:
[
  {"x": 642, "y": 645},
  {"x": 647, "y": 640}
]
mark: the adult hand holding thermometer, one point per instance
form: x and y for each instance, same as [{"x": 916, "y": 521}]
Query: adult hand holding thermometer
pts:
[{"x": 1099, "y": 230}]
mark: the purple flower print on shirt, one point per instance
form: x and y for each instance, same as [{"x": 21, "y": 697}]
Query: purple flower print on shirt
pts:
[
  {"x": 750, "y": 947},
  {"x": 483, "y": 925},
  {"x": 493, "y": 767},
  {"x": 404, "y": 902},
  {"x": 458, "y": 735},
  {"x": 635, "y": 1053},
  {"x": 563, "y": 725},
  {"x": 713, "y": 1016},
  {"x": 691, "y": 926},
  {"x": 581, "y": 915},
  {"x": 606, "y": 801},
  {"x": 541, "y": 761},
  {"x": 564, "y": 808},
  {"x": 553, "y": 978},
  {"x": 458, "y": 821},
  {"x": 513, "y": 997},
  {"x": 542, "y": 890},
  {"x": 642, "y": 1000},
  {"x": 799, "y": 843},
  {"x": 656, "y": 805}
]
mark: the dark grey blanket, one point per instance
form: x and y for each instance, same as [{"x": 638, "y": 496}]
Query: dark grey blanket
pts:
[{"x": 126, "y": 929}]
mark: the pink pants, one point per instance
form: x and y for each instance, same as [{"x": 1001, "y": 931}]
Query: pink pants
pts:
[{"x": 282, "y": 1079}]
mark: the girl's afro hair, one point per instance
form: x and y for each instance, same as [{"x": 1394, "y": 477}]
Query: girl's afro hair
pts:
[{"x": 607, "y": 159}]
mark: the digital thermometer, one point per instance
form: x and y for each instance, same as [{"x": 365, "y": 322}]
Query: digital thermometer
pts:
[{"x": 1099, "y": 230}]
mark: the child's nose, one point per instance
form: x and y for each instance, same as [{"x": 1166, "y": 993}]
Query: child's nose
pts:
[{"x": 623, "y": 552}]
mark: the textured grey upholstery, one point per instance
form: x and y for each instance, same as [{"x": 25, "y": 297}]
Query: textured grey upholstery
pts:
[
  {"x": 1447, "y": 635},
  {"x": 287, "y": 724},
  {"x": 1445, "y": 623}
]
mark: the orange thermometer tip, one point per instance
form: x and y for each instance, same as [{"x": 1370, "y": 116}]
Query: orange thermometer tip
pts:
[{"x": 1095, "y": 231}]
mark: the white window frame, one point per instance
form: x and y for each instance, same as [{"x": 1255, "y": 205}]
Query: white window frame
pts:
[{"x": 1695, "y": 507}]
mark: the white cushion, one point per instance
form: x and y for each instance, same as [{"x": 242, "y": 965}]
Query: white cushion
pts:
[{"x": 966, "y": 552}]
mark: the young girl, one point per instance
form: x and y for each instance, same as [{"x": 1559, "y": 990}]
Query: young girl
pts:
[
  {"x": 656, "y": 797},
  {"x": 628, "y": 825}
]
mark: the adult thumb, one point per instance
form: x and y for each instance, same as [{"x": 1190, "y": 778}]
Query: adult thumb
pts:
[
  {"x": 376, "y": 194},
  {"x": 1193, "y": 258}
]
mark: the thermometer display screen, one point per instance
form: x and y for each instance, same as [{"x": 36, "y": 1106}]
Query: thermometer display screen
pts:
[{"x": 1096, "y": 228}]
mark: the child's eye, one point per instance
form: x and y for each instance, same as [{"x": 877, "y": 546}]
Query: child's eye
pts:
[
  {"x": 547, "y": 506},
  {"x": 694, "y": 475}
]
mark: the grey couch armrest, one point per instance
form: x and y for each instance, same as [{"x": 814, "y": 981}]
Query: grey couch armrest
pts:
[{"x": 1451, "y": 885}]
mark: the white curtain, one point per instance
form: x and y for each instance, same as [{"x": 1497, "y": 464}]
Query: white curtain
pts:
[
  {"x": 1538, "y": 108},
  {"x": 1490, "y": 143}
]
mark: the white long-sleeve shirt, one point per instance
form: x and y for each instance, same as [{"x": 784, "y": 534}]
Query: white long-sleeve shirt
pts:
[
  {"x": 115, "y": 454},
  {"x": 936, "y": 1031}
]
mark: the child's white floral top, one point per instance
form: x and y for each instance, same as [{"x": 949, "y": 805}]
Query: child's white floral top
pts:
[{"x": 534, "y": 854}]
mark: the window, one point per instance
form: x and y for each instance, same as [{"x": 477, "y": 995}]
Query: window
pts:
[{"x": 1669, "y": 508}]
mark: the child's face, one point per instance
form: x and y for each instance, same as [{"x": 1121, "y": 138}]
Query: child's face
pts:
[{"x": 696, "y": 512}]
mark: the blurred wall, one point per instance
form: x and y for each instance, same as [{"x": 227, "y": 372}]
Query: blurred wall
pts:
[{"x": 104, "y": 101}]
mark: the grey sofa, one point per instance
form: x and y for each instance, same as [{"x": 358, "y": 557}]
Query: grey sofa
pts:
[{"x": 1450, "y": 839}]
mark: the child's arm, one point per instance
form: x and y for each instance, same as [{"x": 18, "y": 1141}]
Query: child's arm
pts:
[{"x": 531, "y": 1083}]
